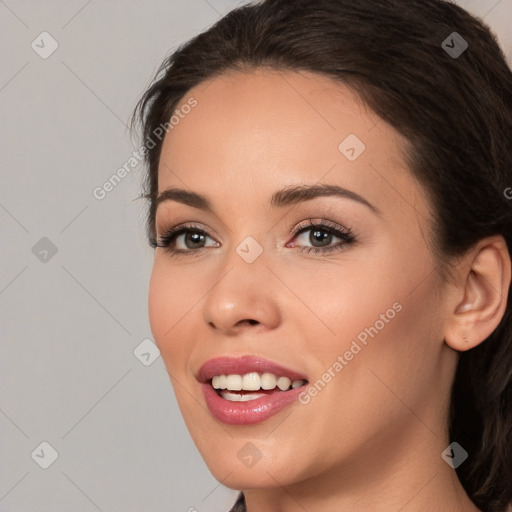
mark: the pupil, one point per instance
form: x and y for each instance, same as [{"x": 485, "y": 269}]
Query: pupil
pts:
[
  {"x": 195, "y": 237},
  {"x": 321, "y": 236}
]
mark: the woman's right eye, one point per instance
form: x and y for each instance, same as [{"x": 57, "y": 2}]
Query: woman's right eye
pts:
[{"x": 184, "y": 239}]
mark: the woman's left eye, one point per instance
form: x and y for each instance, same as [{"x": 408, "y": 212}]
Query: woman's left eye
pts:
[
  {"x": 191, "y": 239},
  {"x": 322, "y": 236}
]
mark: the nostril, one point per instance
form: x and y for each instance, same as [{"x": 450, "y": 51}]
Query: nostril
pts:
[{"x": 249, "y": 321}]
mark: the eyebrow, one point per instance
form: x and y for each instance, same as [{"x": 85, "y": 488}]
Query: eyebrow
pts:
[{"x": 285, "y": 197}]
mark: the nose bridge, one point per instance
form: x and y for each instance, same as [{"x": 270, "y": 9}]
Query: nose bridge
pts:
[{"x": 241, "y": 292}]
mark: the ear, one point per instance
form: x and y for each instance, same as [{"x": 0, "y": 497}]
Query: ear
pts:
[{"x": 480, "y": 294}]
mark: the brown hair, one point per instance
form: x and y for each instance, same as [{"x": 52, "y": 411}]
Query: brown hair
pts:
[{"x": 456, "y": 113}]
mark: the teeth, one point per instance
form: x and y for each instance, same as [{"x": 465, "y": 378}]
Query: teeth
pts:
[
  {"x": 283, "y": 383},
  {"x": 219, "y": 382},
  {"x": 234, "y": 382},
  {"x": 268, "y": 381},
  {"x": 297, "y": 383},
  {"x": 236, "y": 397},
  {"x": 253, "y": 381}
]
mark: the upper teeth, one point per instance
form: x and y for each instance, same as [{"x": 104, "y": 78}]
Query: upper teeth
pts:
[{"x": 253, "y": 381}]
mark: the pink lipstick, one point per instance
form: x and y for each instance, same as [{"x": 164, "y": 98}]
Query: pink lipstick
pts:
[{"x": 247, "y": 390}]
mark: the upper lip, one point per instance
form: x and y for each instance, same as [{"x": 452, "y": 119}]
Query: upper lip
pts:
[{"x": 244, "y": 364}]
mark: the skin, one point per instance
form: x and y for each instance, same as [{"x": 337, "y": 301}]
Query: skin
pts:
[{"x": 372, "y": 438}]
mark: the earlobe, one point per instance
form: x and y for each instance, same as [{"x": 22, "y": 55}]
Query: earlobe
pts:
[{"x": 484, "y": 278}]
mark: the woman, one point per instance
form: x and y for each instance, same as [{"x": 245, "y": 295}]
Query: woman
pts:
[{"x": 331, "y": 284}]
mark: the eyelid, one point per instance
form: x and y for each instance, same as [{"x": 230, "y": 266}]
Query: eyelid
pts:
[
  {"x": 192, "y": 225},
  {"x": 315, "y": 222}
]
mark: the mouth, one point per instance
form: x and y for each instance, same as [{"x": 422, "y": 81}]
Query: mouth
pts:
[
  {"x": 251, "y": 386},
  {"x": 248, "y": 390}
]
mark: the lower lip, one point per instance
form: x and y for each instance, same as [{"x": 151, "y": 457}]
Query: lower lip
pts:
[{"x": 250, "y": 412}]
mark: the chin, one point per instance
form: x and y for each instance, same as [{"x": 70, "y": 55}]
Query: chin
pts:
[{"x": 259, "y": 476}]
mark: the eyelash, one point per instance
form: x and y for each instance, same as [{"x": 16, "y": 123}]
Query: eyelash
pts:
[{"x": 346, "y": 235}]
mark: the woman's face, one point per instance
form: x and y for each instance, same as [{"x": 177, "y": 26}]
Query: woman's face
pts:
[{"x": 351, "y": 304}]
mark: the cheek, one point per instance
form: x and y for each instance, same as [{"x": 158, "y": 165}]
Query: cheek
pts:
[
  {"x": 388, "y": 332},
  {"x": 168, "y": 303},
  {"x": 344, "y": 301},
  {"x": 371, "y": 307}
]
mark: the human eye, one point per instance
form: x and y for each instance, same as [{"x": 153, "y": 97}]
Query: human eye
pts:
[
  {"x": 183, "y": 239},
  {"x": 323, "y": 234},
  {"x": 191, "y": 239}
]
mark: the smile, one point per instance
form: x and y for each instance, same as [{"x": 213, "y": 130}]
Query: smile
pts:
[
  {"x": 248, "y": 390},
  {"x": 252, "y": 382}
]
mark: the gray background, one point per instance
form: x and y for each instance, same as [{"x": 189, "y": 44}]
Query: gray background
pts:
[{"x": 71, "y": 321}]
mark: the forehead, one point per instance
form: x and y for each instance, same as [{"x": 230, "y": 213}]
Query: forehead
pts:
[
  {"x": 263, "y": 129},
  {"x": 276, "y": 113}
]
